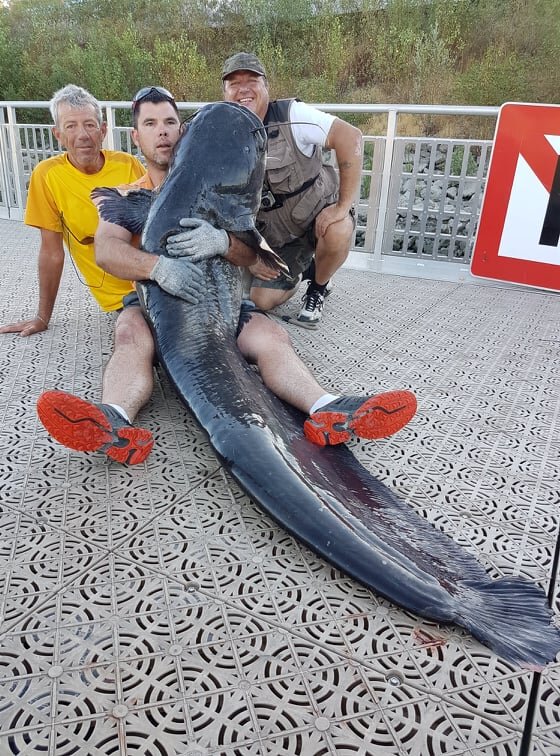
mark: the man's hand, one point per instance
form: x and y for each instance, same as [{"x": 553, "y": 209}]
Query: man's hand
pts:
[
  {"x": 329, "y": 215},
  {"x": 181, "y": 278},
  {"x": 26, "y": 327},
  {"x": 262, "y": 271},
  {"x": 200, "y": 242}
]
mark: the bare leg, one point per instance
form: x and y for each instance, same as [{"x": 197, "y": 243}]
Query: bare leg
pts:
[
  {"x": 332, "y": 249},
  {"x": 266, "y": 299},
  {"x": 127, "y": 382},
  {"x": 267, "y": 345},
  {"x": 128, "y": 379}
]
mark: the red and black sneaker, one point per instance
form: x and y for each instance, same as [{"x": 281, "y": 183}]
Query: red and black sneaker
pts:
[
  {"x": 84, "y": 426},
  {"x": 365, "y": 417}
]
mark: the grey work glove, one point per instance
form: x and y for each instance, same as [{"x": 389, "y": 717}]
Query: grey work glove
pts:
[
  {"x": 182, "y": 278},
  {"x": 200, "y": 242}
]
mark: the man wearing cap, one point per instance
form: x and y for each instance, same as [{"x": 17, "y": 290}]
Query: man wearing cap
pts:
[{"x": 307, "y": 213}]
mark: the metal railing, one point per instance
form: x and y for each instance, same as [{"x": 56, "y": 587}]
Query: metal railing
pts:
[{"x": 419, "y": 200}]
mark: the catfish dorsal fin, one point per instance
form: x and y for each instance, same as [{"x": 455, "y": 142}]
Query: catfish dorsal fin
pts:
[{"x": 129, "y": 210}]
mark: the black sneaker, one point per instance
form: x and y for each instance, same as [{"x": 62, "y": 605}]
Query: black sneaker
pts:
[
  {"x": 83, "y": 426},
  {"x": 365, "y": 417}
]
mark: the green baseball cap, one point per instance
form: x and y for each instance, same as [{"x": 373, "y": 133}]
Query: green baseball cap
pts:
[{"x": 242, "y": 61}]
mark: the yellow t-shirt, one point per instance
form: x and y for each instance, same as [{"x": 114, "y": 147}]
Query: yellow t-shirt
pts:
[{"x": 59, "y": 200}]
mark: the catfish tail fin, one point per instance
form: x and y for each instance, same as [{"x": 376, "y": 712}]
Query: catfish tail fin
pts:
[{"x": 511, "y": 616}]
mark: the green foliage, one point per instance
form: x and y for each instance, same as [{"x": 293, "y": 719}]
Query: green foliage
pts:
[
  {"x": 11, "y": 56},
  {"x": 429, "y": 51},
  {"x": 179, "y": 65},
  {"x": 499, "y": 77},
  {"x": 457, "y": 162}
]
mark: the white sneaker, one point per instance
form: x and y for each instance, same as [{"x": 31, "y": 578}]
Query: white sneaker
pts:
[{"x": 312, "y": 310}]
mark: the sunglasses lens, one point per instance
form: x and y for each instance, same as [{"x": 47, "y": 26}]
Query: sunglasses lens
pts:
[{"x": 145, "y": 91}]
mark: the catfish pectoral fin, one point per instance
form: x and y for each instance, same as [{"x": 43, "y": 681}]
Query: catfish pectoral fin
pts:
[
  {"x": 252, "y": 238},
  {"x": 269, "y": 257},
  {"x": 128, "y": 210}
]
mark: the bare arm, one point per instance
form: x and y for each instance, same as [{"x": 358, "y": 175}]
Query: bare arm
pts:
[
  {"x": 346, "y": 141},
  {"x": 50, "y": 265},
  {"x": 240, "y": 253},
  {"x": 115, "y": 253}
]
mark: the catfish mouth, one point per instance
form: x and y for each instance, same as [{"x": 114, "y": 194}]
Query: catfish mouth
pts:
[{"x": 250, "y": 115}]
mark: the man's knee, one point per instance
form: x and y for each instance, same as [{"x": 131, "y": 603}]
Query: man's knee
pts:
[
  {"x": 260, "y": 336},
  {"x": 338, "y": 235},
  {"x": 131, "y": 329}
]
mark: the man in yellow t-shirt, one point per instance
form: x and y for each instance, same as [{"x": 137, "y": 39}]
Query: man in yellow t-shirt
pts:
[
  {"x": 128, "y": 376},
  {"x": 59, "y": 201},
  {"x": 59, "y": 204}
]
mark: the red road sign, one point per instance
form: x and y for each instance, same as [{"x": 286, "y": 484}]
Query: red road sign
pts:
[{"x": 519, "y": 229}]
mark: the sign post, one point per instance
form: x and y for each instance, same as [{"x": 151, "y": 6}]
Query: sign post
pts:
[{"x": 519, "y": 229}]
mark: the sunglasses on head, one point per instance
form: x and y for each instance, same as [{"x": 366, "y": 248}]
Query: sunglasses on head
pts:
[{"x": 145, "y": 92}]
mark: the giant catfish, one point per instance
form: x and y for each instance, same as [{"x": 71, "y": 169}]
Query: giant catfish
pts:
[{"x": 322, "y": 495}]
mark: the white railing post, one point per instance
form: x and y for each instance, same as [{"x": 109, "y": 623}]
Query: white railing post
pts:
[
  {"x": 4, "y": 170},
  {"x": 14, "y": 147},
  {"x": 385, "y": 183},
  {"x": 109, "y": 141}
]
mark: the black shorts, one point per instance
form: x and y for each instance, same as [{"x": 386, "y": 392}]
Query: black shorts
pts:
[
  {"x": 131, "y": 300},
  {"x": 246, "y": 310},
  {"x": 297, "y": 255}
]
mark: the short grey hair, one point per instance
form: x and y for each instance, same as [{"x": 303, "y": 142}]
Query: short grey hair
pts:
[{"x": 76, "y": 97}]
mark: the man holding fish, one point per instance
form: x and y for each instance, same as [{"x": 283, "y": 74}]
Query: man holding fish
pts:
[
  {"x": 107, "y": 426},
  {"x": 307, "y": 210}
]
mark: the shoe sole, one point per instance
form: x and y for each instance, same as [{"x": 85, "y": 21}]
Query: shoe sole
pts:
[
  {"x": 80, "y": 425},
  {"x": 378, "y": 417},
  {"x": 312, "y": 325},
  {"x": 307, "y": 323}
]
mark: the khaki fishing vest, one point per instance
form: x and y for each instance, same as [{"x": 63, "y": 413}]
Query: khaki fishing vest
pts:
[{"x": 296, "y": 187}]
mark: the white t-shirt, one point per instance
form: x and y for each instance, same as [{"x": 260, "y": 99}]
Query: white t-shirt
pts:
[{"x": 310, "y": 126}]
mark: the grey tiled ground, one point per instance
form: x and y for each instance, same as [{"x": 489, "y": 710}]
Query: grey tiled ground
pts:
[{"x": 155, "y": 610}]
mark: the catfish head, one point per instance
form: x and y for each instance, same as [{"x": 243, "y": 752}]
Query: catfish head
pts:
[{"x": 216, "y": 174}]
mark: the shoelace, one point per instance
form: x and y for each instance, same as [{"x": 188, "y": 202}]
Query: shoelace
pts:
[{"x": 313, "y": 300}]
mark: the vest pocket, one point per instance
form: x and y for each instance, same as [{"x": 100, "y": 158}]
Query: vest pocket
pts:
[
  {"x": 305, "y": 210},
  {"x": 282, "y": 173}
]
